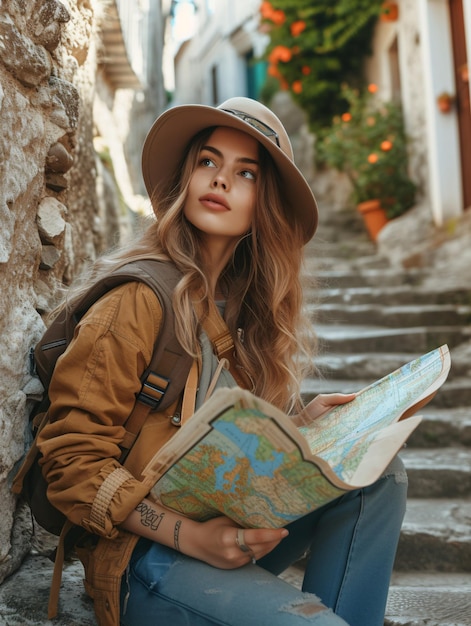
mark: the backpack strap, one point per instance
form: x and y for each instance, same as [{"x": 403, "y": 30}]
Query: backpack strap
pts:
[
  {"x": 218, "y": 333},
  {"x": 57, "y": 572},
  {"x": 30, "y": 457}
]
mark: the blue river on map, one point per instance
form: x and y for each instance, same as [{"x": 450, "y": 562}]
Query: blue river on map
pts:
[{"x": 251, "y": 444}]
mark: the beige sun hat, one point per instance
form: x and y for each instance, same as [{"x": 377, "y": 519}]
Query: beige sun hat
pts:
[{"x": 167, "y": 140}]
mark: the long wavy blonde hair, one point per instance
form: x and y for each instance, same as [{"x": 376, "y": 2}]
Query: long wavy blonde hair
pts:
[{"x": 273, "y": 338}]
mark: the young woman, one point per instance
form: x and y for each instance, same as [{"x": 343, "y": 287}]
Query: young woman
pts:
[{"x": 232, "y": 214}]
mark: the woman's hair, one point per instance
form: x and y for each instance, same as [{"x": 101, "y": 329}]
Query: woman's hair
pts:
[{"x": 274, "y": 341}]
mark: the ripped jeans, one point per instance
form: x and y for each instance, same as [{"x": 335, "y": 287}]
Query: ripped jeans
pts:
[{"x": 351, "y": 544}]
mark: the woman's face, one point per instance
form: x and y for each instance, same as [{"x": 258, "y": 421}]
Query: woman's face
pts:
[{"x": 222, "y": 190}]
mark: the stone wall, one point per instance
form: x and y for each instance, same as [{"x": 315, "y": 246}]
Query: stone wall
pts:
[{"x": 50, "y": 219}]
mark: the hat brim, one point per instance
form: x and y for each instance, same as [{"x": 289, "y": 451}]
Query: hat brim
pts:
[{"x": 170, "y": 134}]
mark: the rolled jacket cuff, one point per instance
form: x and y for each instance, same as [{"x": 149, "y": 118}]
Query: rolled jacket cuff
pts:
[{"x": 101, "y": 521}]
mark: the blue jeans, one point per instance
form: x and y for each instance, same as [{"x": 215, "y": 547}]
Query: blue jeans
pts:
[{"x": 351, "y": 545}]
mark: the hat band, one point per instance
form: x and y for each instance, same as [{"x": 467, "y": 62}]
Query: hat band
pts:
[{"x": 255, "y": 123}]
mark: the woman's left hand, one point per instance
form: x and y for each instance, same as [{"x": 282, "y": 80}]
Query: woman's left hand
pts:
[
  {"x": 321, "y": 404},
  {"x": 221, "y": 543}
]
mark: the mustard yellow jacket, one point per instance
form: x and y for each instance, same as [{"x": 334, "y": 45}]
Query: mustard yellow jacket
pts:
[{"x": 92, "y": 392}]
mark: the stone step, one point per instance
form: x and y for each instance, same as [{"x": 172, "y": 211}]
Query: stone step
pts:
[
  {"x": 438, "y": 472},
  {"x": 374, "y": 365},
  {"x": 441, "y": 428},
  {"x": 357, "y": 339},
  {"x": 330, "y": 244},
  {"x": 320, "y": 260},
  {"x": 454, "y": 393},
  {"x": 385, "y": 295},
  {"x": 368, "y": 277},
  {"x": 436, "y": 536},
  {"x": 418, "y": 599},
  {"x": 429, "y": 599},
  {"x": 349, "y": 250},
  {"x": 391, "y": 316}
]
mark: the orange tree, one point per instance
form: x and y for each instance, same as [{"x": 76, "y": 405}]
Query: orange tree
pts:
[{"x": 315, "y": 46}]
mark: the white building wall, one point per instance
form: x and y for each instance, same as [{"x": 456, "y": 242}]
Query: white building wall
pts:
[
  {"x": 442, "y": 130},
  {"x": 220, "y": 42}
]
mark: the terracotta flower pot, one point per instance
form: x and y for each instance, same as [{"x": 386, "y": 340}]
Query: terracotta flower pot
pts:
[
  {"x": 445, "y": 103},
  {"x": 374, "y": 216}
]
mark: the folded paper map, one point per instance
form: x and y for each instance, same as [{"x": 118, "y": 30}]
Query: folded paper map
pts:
[{"x": 241, "y": 457}]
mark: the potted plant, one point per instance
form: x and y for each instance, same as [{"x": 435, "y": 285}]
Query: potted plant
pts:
[
  {"x": 390, "y": 12},
  {"x": 369, "y": 144}
]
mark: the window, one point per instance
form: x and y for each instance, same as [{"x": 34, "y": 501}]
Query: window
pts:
[{"x": 256, "y": 72}]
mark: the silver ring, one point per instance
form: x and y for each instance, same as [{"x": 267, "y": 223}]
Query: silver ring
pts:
[
  {"x": 240, "y": 541},
  {"x": 245, "y": 548}
]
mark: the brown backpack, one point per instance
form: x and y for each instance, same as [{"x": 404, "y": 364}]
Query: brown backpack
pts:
[{"x": 162, "y": 382}]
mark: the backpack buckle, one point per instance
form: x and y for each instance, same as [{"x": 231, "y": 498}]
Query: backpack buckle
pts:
[
  {"x": 32, "y": 363},
  {"x": 153, "y": 390}
]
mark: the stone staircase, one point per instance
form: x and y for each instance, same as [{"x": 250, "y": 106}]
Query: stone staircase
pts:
[{"x": 370, "y": 320}]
